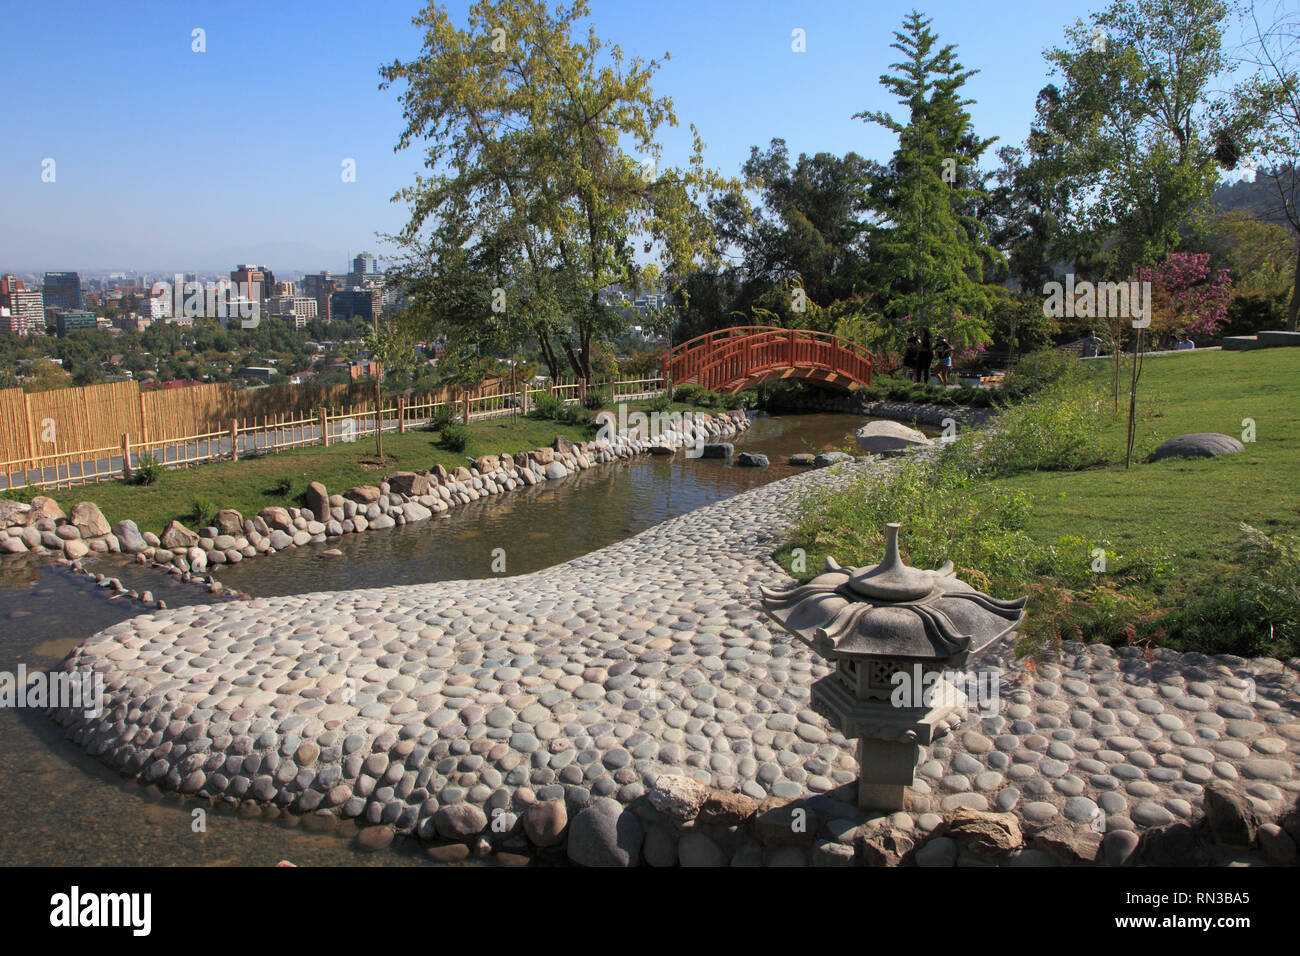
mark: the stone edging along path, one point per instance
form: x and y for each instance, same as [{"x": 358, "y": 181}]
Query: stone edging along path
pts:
[
  {"x": 639, "y": 689},
  {"x": 403, "y": 498}
]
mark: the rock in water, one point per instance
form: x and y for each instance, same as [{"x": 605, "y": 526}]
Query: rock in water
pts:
[
  {"x": 556, "y": 470},
  {"x": 830, "y": 458},
  {"x": 723, "y": 449},
  {"x": 750, "y": 460},
  {"x": 129, "y": 536},
  {"x": 803, "y": 459},
  {"x": 605, "y": 834},
  {"x": 889, "y": 438},
  {"x": 1198, "y": 445}
]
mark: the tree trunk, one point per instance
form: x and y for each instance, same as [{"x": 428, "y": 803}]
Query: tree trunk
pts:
[{"x": 1293, "y": 313}]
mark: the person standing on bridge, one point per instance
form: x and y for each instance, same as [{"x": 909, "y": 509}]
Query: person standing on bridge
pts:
[
  {"x": 924, "y": 358},
  {"x": 910, "y": 355},
  {"x": 943, "y": 355}
]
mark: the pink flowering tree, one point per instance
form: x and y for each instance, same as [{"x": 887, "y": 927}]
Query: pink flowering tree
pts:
[{"x": 1186, "y": 296}]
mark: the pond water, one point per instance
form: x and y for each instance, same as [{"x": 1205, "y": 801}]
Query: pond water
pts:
[{"x": 60, "y": 806}]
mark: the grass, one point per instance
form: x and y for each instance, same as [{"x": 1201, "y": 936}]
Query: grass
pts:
[
  {"x": 259, "y": 481},
  {"x": 250, "y": 484},
  {"x": 1176, "y": 572},
  {"x": 1194, "y": 507}
]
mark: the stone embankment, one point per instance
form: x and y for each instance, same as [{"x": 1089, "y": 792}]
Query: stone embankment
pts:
[
  {"x": 632, "y": 705},
  {"x": 405, "y": 497}
]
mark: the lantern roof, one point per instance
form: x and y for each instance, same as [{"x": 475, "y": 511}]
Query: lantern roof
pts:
[{"x": 890, "y": 611}]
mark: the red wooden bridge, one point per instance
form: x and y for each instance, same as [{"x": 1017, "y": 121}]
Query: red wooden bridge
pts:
[{"x": 731, "y": 359}]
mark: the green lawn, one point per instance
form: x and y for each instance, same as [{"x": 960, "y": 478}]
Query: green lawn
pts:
[
  {"x": 1193, "y": 508},
  {"x": 1171, "y": 532},
  {"x": 250, "y": 484}
]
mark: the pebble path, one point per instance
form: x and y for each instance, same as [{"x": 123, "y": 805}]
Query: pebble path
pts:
[{"x": 650, "y": 656}]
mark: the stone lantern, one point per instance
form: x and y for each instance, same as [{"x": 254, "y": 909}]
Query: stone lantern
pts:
[{"x": 895, "y": 635}]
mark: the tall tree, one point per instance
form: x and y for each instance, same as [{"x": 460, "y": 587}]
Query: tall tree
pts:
[
  {"x": 928, "y": 251},
  {"x": 1130, "y": 128},
  {"x": 1268, "y": 109},
  {"x": 527, "y": 172}
]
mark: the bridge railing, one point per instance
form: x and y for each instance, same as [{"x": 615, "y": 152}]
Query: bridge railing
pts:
[{"x": 726, "y": 358}]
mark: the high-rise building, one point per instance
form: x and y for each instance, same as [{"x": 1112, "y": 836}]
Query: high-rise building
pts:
[
  {"x": 365, "y": 264},
  {"x": 25, "y": 307},
  {"x": 258, "y": 282},
  {"x": 63, "y": 290},
  {"x": 300, "y": 309}
]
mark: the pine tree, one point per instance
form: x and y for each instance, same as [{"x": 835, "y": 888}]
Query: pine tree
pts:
[{"x": 928, "y": 251}]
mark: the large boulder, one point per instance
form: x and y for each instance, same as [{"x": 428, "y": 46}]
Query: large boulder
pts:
[
  {"x": 679, "y": 797},
  {"x": 486, "y": 464},
  {"x": 89, "y": 520},
  {"x": 751, "y": 460},
  {"x": 985, "y": 833},
  {"x": 276, "y": 518},
  {"x": 543, "y": 456},
  {"x": 363, "y": 494},
  {"x": 177, "y": 537},
  {"x": 605, "y": 834},
  {"x": 723, "y": 449},
  {"x": 889, "y": 438},
  {"x": 1198, "y": 445},
  {"x": 317, "y": 500},
  {"x": 556, "y": 470},
  {"x": 410, "y": 483},
  {"x": 562, "y": 445},
  {"x": 43, "y": 507},
  {"x": 545, "y": 822},
  {"x": 230, "y": 521},
  {"x": 1230, "y": 816},
  {"x": 129, "y": 536},
  {"x": 14, "y": 514}
]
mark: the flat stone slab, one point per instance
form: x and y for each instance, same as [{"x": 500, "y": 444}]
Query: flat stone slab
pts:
[
  {"x": 593, "y": 678},
  {"x": 1241, "y": 343},
  {"x": 1278, "y": 338},
  {"x": 1198, "y": 445}
]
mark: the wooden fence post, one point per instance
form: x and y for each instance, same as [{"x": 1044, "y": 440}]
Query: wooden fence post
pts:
[
  {"x": 323, "y": 414},
  {"x": 401, "y": 414},
  {"x": 234, "y": 439},
  {"x": 467, "y": 406},
  {"x": 126, "y": 456}
]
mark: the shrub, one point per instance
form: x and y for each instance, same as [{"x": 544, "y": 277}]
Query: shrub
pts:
[
  {"x": 596, "y": 399},
  {"x": 1038, "y": 371},
  {"x": 545, "y": 406},
  {"x": 205, "y": 511},
  {"x": 454, "y": 437},
  {"x": 1252, "y": 612},
  {"x": 148, "y": 469},
  {"x": 443, "y": 415},
  {"x": 1057, "y": 430},
  {"x": 283, "y": 485},
  {"x": 660, "y": 402},
  {"x": 692, "y": 394}
]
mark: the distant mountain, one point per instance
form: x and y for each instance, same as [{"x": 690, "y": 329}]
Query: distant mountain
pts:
[{"x": 1260, "y": 198}]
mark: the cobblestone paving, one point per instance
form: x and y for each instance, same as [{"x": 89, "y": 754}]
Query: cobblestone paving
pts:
[{"x": 650, "y": 656}]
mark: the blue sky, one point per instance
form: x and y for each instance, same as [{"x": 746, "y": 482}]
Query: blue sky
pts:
[{"x": 169, "y": 159}]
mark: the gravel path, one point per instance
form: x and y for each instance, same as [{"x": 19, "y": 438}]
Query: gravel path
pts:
[{"x": 650, "y": 656}]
